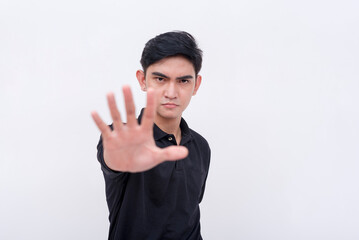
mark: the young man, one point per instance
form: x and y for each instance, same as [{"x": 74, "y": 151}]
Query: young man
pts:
[{"x": 156, "y": 167}]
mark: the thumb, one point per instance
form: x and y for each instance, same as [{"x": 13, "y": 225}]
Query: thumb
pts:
[{"x": 173, "y": 153}]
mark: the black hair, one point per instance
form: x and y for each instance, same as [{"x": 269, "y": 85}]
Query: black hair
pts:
[{"x": 172, "y": 44}]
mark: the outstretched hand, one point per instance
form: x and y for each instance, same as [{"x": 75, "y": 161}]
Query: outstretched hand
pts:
[{"x": 130, "y": 147}]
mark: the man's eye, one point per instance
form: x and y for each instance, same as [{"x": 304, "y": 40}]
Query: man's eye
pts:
[
  {"x": 184, "y": 81},
  {"x": 160, "y": 79}
]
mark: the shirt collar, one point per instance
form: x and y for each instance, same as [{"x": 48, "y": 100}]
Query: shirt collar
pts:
[{"x": 158, "y": 133}]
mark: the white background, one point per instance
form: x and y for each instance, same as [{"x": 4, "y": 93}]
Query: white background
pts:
[{"x": 278, "y": 104}]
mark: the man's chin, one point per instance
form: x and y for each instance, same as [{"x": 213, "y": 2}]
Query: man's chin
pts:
[{"x": 170, "y": 115}]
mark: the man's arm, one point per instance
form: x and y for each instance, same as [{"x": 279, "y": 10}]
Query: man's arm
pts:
[
  {"x": 207, "y": 170},
  {"x": 130, "y": 147}
]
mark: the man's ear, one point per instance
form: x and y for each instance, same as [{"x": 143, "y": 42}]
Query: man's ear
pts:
[
  {"x": 197, "y": 84},
  {"x": 141, "y": 78}
]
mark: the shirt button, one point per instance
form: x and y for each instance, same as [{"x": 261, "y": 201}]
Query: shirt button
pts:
[{"x": 170, "y": 138}]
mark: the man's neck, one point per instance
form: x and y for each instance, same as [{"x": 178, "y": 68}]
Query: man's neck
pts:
[{"x": 170, "y": 126}]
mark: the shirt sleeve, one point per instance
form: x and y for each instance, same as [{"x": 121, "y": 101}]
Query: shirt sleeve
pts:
[
  {"x": 207, "y": 170},
  {"x": 108, "y": 172}
]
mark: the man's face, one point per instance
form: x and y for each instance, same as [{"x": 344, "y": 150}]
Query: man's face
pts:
[{"x": 175, "y": 82}]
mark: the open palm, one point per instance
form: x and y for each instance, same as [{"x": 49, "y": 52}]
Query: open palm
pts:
[{"x": 130, "y": 147}]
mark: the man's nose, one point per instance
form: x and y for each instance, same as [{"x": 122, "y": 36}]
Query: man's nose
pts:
[{"x": 171, "y": 90}]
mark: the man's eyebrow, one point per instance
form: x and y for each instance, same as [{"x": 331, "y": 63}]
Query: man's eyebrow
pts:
[
  {"x": 159, "y": 74},
  {"x": 185, "y": 77},
  {"x": 164, "y": 76}
]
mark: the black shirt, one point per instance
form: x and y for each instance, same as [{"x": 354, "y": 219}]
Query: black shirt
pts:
[{"x": 163, "y": 202}]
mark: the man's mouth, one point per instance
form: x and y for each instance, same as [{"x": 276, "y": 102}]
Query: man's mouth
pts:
[{"x": 169, "y": 105}]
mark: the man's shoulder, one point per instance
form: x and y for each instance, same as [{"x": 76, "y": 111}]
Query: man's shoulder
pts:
[{"x": 199, "y": 138}]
